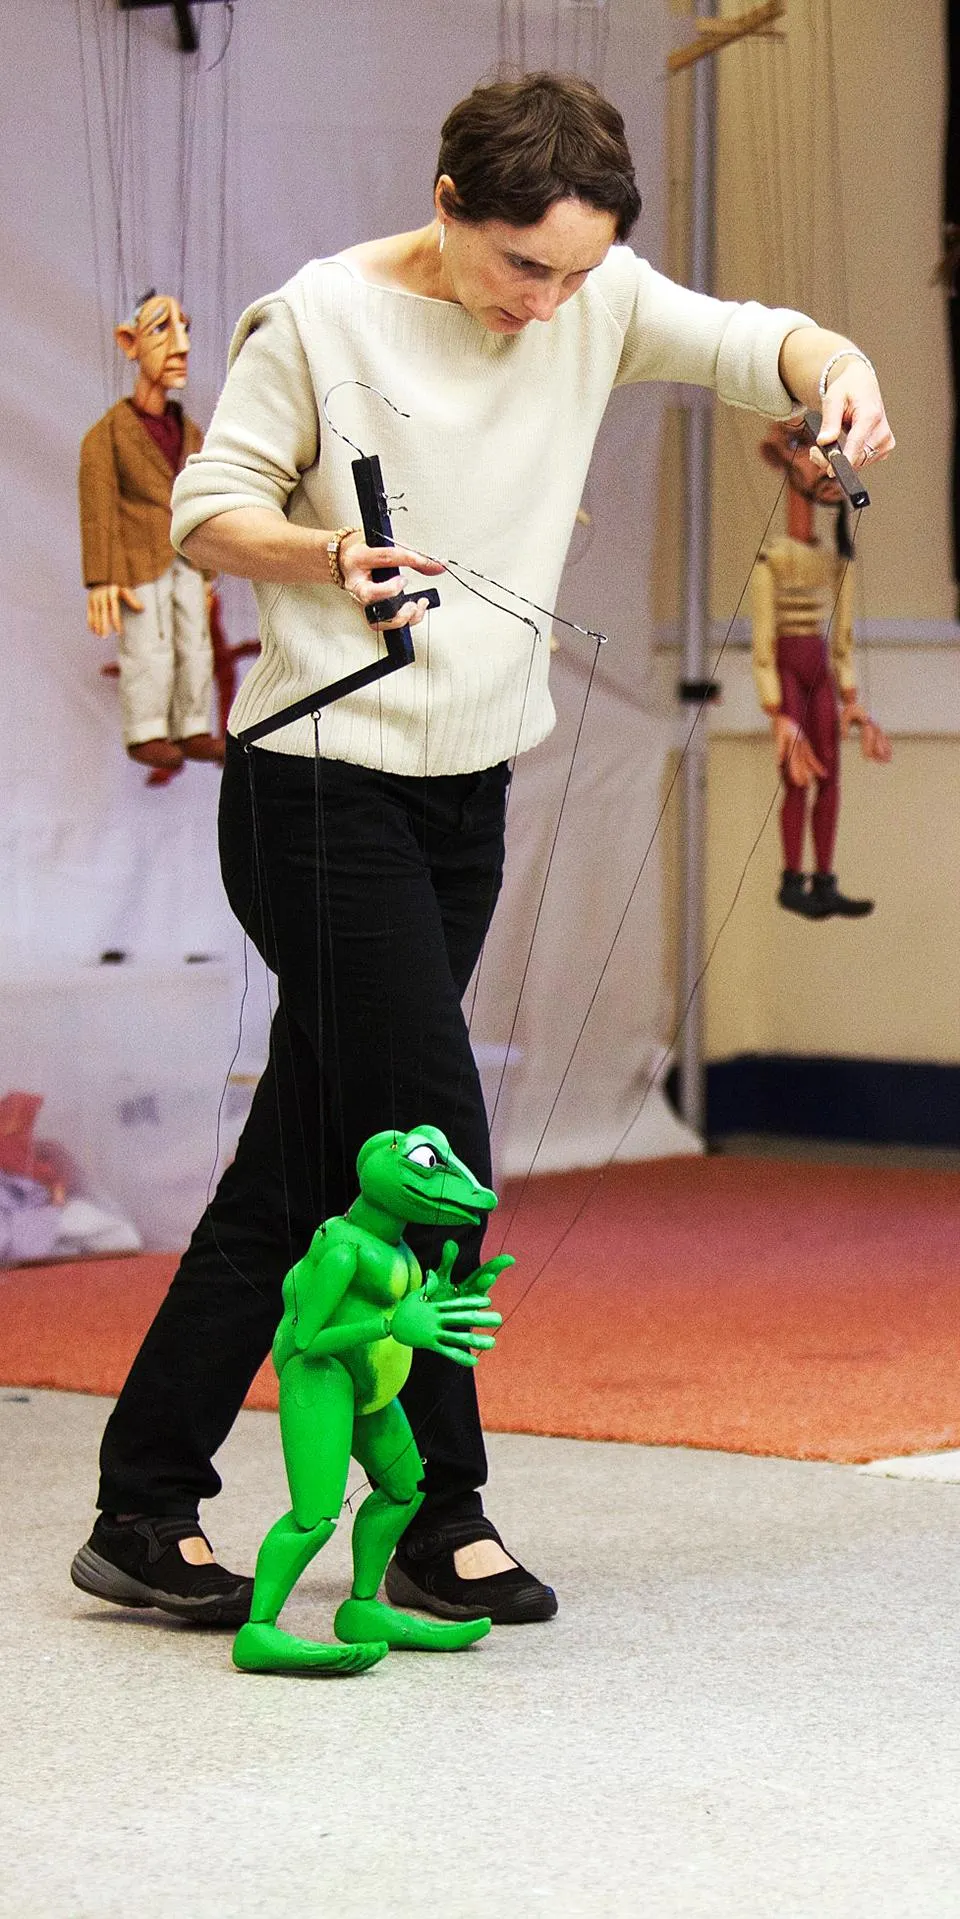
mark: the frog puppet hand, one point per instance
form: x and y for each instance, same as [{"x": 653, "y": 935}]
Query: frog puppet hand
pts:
[
  {"x": 485, "y": 1276},
  {"x": 440, "y": 1285},
  {"x": 446, "y": 1324}
]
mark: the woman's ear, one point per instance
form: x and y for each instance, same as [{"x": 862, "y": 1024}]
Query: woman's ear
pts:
[{"x": 445, "y": 197}]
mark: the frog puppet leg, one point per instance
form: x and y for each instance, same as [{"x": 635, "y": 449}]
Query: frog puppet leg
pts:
[{"x": 316, "y": 1397}]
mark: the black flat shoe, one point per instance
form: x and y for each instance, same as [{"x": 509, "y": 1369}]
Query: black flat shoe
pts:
[
  {"x": 138, "y": 1562},
  {"x": 422, "y": 1574}
]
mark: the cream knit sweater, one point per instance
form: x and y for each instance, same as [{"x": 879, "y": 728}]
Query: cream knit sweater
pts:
[{"x": 490, "y": 464}]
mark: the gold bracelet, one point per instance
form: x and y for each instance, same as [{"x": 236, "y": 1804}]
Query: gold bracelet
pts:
[{"x": 333, "y": 553}]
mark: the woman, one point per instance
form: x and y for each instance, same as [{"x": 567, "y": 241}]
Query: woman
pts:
[{"x": 367, "y": 875}]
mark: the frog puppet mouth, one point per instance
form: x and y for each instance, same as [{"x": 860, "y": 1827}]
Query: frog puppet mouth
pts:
[{"x": 442, "y": 1206}]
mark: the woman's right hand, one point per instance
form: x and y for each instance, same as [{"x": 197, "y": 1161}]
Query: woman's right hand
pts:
[{"x": 357, "y": 564}]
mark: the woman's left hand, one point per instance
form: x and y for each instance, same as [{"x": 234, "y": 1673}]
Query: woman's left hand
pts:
[
  {"x": 852, "y": 403},
  {"x": 853, "y": 406}
]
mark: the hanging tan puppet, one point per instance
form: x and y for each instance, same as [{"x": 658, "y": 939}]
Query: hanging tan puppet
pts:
[
  {"x": 803, "y": 672},
  {"x": 137, "y": 586}
]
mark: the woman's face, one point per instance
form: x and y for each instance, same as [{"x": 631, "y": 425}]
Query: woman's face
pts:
[{"x": 507, "y": 276}]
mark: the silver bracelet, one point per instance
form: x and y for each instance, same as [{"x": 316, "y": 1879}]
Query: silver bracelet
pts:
[{"x": 845, "y": 353}]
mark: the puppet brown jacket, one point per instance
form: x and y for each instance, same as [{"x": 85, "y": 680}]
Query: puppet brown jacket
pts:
[{"x": 125, "y": 488}]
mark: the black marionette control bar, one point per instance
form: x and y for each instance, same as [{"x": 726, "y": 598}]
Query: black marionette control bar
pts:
[
  {"x": 181, "y": 13},
  {"x": 844, "y": 474},
  {"x": 377, "y": 531}
]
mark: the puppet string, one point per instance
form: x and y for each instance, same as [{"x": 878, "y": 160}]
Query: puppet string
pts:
[
  {"x": 653, "y": 1075},
  {"x": 596, "y": 1182},
  {"x": 454, "y": 567}
]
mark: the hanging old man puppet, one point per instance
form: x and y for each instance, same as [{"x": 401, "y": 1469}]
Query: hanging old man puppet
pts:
[
  {"x": 803, "y": 672},
  {"x": 137, "y": 586}
]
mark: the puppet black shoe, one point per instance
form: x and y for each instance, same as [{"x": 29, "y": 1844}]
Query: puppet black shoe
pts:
[
  {"x": 793, "y": 894},
  {"x": 138, "y": 1562},
  {"x": 827, "y": 901},
  {"x": 422, "y": 1573}
]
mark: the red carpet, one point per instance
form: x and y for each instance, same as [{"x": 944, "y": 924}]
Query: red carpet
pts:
[{"x": 755, "y": 1306}]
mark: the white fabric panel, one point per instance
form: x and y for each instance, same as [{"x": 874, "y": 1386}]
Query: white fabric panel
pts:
[{"x": 318, "y": 128}]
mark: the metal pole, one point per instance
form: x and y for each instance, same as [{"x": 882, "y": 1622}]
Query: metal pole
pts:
[{"x": 699, "y": 439}]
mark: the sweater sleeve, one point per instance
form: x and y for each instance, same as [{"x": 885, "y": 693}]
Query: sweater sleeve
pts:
[
  {"x": 671, "y": 333},
  {"x": 265, "y": 430}
]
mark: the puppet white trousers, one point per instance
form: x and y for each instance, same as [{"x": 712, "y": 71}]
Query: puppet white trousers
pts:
[{"x": 166, "y": 659}]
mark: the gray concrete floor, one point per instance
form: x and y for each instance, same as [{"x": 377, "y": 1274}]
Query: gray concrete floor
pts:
[{"x": 747, "y": 1708}]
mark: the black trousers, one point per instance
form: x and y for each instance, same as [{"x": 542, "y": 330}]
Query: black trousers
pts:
[{"x": 369, "y": 895}]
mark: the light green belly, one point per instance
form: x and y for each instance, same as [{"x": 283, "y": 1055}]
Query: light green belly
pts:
[{"x": 378, "y": 1372}]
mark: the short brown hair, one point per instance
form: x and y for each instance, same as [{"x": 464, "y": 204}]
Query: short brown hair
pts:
[{"x": 513, "y": 149}]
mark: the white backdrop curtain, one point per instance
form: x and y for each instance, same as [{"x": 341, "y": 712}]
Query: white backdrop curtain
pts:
[{"x": 127, "y": 164}]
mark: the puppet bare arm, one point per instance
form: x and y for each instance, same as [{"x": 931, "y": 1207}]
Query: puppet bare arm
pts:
[
  {"x": 313, "y": 1291},
  {"x": 874, "y": 743}
]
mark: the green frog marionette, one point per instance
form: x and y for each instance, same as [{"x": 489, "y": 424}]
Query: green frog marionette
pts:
[{"x": 354, "y": 1308}]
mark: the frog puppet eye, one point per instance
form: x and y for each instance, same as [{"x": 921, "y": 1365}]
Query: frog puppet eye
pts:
[{"x": 423, "y": 1155}]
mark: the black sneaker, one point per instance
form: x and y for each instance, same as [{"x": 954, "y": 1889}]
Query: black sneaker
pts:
[
  {"x": 138, "y": 1562},
  {"x": 422, "y": 1574}
]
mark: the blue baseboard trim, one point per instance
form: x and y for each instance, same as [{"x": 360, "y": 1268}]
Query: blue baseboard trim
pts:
[{"x": 886, "y": 1102}]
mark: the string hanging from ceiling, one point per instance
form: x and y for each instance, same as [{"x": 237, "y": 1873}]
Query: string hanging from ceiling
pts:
[
  {"x": 565, "y": 36},
  {"x": 156, "y": 144},
  {"x": 783, "y": 207}
]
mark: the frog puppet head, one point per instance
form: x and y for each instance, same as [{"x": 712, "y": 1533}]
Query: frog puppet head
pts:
[{"x": 416, "y": 1176}]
